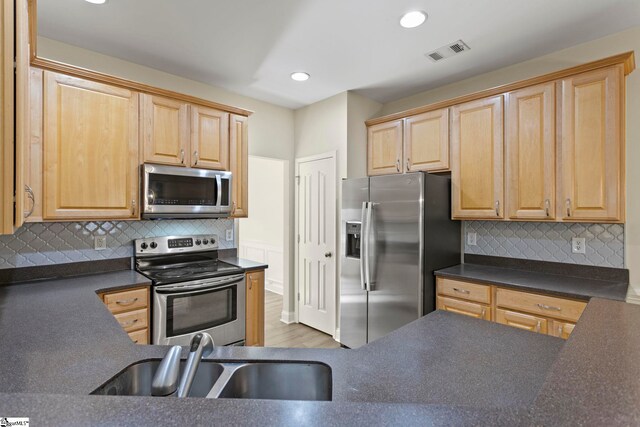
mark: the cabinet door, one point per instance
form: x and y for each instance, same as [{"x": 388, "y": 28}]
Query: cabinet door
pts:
[
  {"x": 530, "y": 152},
  {"x": 592, "y": 166},
  {"x": 384, "y": 148},
  {"x": 239, "y": 165},
  {"x": 426, "y": 141},
  {"x": 90, "y": 149},
  {"x": 255, "y": 309},
  {"x": 165, "y": 130},
  {"x": 560, "y": 329},
  {"x": 479, "y": 311},
  {"x": 477, "y": 159},
  {"x": 522, "y": 321},
  {"x": 209, "y": 138},
  {"x": 32, "y": 162}
]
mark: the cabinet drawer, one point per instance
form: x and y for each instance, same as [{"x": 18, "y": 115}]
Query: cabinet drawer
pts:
[
  {"x": 464, "y": 290},
  {"x": 540, "y": 304},
  {"x": 523, "y": 321},
  {"x": 140, "y": 337},
  {"x": 560, "y": 329},
  {"x": 472, "y": 309},
  {"x": 133, "y": 320},
  {"x": 119, "y": 302}
]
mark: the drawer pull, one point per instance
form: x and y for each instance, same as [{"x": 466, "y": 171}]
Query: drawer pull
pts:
[
  {"x": 548, "y": 307},
  {"x": 538, "y": 325},
  {"x": 135, "y": 341},
  {"x": 127, "y": 301},
  {"x": 462, "y": 291},
  {"x": 129, "y": 323},
  {"x": 484, "y": 312}
]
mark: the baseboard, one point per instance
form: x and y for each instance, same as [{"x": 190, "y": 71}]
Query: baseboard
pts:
[
  {"x": 273, "y": 286},
  {"x": 336, "y": 336},
  {"x": 288, "y": 317},
  {"x": 633, "y": 299}
]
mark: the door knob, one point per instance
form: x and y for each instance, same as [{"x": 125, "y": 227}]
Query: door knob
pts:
[{"x": 328, "y": 255}]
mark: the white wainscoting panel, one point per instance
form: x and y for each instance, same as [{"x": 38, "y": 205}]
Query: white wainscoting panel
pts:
[{"x": 268, "y": 254}]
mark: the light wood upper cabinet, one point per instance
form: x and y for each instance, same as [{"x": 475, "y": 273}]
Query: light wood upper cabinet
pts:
[
  {"x": 165, "y": 130},
  {"x": 592, "y": 162},
  {"x": 384, "y": 148},
  {"x": 209, "y": 138},
  {"x": 90, "y": 149},
  {"x": 477, "y": 159},
  {"x": 426, "y": 141},
  {"x": 530, "y": 152},
  {"x": 239, "y": 165}
]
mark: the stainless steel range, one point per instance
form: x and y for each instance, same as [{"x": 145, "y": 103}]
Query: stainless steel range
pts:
[{"x": 193, "y": 291}]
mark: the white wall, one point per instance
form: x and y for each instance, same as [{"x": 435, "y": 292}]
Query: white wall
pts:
[
  {"x": 628, "y": 40},
  {"x": 261, "y": 235},
  {"x": 359, "y": 109}
]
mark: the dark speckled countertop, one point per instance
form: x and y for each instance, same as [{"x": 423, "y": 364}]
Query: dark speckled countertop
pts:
[
  {"x": 553, "y": 284},
  {"x": 59, "y": 343}
]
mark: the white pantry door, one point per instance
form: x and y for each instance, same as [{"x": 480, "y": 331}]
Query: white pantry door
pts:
[{"x": 316, "y": 205}]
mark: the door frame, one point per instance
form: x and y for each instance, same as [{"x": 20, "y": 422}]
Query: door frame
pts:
[{"x": 327, "y": 155}]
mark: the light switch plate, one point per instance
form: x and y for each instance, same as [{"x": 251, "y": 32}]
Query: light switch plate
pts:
[
  {"x": 229, "y": 235},
  {"x": 100, "y": 243},
  {"x": 578, "y": 245},
  {"x": 472, "y": 239}
]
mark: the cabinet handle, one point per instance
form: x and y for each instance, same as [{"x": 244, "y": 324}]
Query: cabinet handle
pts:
[
  {"x": 408, "y": 164},
  {"x": 538, "y": 325},
  {"x": 560, "y": 330},
  {"x": 462, "y": 291},
  {"x": 497, "y": 207},
  {"x": 133, "y": 207},
  {"x": 31, "y": 197},
  {"x": 129, "y": 323},
  {"x": 250, "y": 283},
  {"x": 568, "y": 207},
  {"x": 182, "y": 156},
  {"x": 195, "y": 154},
  {"x": 547, "y": 207},
  {"x": 484, "y": 311},
  {"x": 127, "y": 301},
  {"x": 398, "y": 165},
  {"x": 233, "y": 209},
  {"x": 548, "y": 307}
]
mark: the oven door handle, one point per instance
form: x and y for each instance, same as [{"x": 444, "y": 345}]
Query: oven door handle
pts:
[{"x": 172, "y": 289}]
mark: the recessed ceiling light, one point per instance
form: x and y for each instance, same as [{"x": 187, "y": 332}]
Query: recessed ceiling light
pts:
[
  {"x": 413, "y": 19},
  {"x": 300, "y": 76},
  {"x": 96, "y": 1}
]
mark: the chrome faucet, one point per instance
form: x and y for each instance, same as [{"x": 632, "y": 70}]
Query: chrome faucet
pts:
[{"x": 165, "y": 380}]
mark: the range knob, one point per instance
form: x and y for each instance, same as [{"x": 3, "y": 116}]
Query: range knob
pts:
[
  {"x": 154, "y": 245},
  {"x": 213, "y": 241},
  {"x": 143, "y": 245},
  {"x": 198, "y": 242},
  {"x": 205, "y": 241}
]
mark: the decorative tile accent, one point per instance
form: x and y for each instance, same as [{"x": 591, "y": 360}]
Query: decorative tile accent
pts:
[
  {"x": 548, "y": 241},
  {"x": 63, "y": 242}
]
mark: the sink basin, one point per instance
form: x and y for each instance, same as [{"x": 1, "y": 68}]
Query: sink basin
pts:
[
  {"x": 284, "y": 381},
  {"x": 136, "y": 379}
]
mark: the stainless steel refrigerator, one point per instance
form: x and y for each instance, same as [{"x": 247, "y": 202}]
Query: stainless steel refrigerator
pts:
[{"x": 395, "y": 231}]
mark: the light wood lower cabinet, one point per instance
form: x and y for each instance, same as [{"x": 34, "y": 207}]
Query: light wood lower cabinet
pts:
[
  {"x": 255, "y": 309},
  {"x": 130, "y": 307},
  {"x": 538, "y": 313},
  {"x": 479, "y": 311}
]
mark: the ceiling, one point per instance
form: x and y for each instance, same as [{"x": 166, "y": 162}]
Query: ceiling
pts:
[{"x": 252, "y": 46}]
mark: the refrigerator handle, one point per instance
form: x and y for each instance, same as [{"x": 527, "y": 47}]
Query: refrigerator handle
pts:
[
  {"x": 363, "y": 239},
  {"x": 371, "y": 250}
]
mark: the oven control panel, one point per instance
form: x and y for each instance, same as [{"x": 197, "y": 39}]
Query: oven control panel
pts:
[{"x": 175, "y": 244}]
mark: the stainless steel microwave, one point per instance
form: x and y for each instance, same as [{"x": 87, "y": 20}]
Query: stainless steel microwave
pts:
[{"x": 177, "y": 192}]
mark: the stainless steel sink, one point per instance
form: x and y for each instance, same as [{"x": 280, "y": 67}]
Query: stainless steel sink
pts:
[
  {"x": 269, "y": 380},
  {"x": 136, "y": 379}
]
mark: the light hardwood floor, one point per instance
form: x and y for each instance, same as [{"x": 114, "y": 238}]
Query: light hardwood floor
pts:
[{"x": 278, "y": 334}]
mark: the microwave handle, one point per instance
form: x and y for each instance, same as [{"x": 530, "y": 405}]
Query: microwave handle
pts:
[{"x": 219, "y": 182}]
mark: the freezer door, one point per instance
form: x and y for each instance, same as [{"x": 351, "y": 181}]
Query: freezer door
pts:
[
  {"x": 353, "y": 298},
  {"x": 395, "y": 296}
]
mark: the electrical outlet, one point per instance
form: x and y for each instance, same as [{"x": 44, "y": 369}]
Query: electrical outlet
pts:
[
  {"x": 100, "y": 243},
  {"x": 229, "y": 235},
  {"x": 578, "y": 245},
  {"x": 472, "y": 239}
]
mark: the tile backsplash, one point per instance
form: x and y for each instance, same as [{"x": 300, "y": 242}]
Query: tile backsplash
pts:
[
  {"x": 548, "y": 241},
  {"x": 63, "y": 242}
]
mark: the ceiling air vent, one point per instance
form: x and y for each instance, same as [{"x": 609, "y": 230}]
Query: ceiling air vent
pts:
[{"x": 447, "y": 51}]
